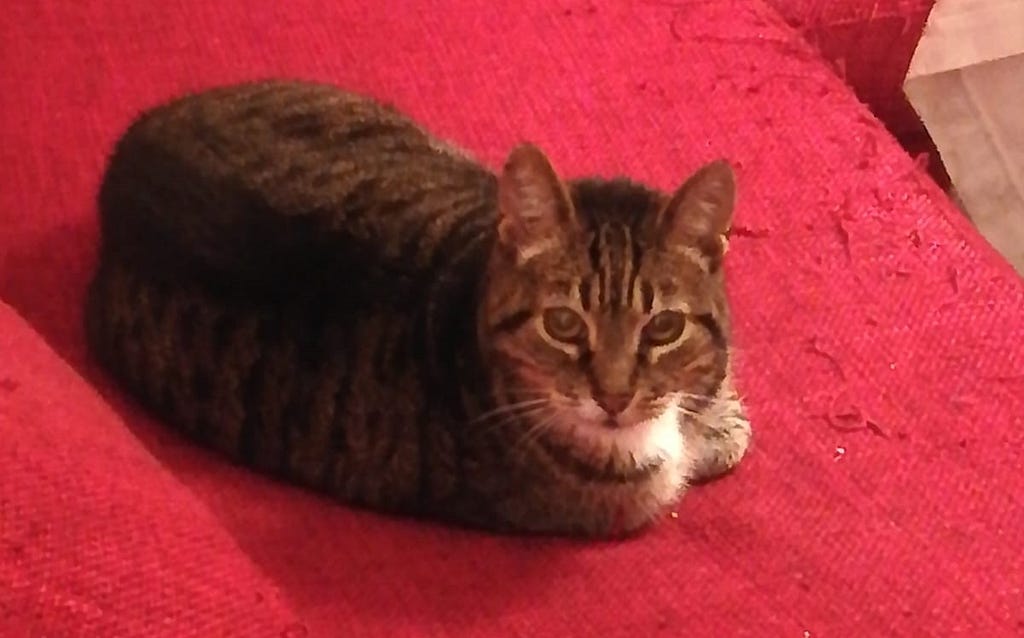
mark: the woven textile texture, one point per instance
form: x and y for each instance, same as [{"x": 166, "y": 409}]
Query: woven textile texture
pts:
[
  {"x": 879, "y": 343},
  {"x": 95, "y": 536},
  {"x": 869, "y": 44}
]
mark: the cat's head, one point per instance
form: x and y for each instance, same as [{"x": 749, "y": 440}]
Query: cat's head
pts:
[{"x": 604, "y": 311}]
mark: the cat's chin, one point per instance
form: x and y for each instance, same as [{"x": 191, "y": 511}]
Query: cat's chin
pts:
[
  {"x": 598, "y": 478},
  {"x": 635, "y": 472},
  {"x": 647, "y": 443},
  {"x": 601, "y": 481}
]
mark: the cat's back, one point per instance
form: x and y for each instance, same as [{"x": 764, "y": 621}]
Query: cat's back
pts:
[
  {"x": 267, "y": 172},
  {"x": 278, "y": 261},
  {"x": 290, "y": 141}
]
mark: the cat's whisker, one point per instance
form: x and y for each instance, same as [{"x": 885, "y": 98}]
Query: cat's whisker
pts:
[
  {"x": 690, "y": 395},
  {"x": 689, "y": 414},
  {"x": 688, "y": 401},
  {"x": 511, "y": 407},
  {"x": 532, "y": 434},
  {"x": 513, "y": 419},
  {"x": 525, "y": 392}
]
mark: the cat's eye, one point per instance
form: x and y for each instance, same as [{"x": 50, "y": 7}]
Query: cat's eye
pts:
[
  {"x": 664, "y": 328},
  {"x": 565, "y": 324}
]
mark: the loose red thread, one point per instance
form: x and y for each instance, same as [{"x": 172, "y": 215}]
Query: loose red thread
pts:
[
  {"x": 915, "y": 238},
  {"x": 816, "y": 348},
  {"x": 954, "y": 279},
  {"x": 863, "y": 423}
]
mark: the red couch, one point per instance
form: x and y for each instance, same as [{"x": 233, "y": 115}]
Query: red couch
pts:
[{"x": 880, "y": 341}]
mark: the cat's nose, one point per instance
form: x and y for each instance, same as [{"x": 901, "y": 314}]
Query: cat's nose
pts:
[{"x": 614, "y": 403}]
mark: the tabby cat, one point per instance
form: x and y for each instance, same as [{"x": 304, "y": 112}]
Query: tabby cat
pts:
[{"x": 306, "y": 280}]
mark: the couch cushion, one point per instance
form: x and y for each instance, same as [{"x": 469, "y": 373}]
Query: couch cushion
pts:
[
  {"x": 96, "y": 538},
  {"x": 879, "y": 335}
]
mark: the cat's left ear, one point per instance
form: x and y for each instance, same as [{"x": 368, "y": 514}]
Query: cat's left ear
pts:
[{"x": 700, "y": 213}]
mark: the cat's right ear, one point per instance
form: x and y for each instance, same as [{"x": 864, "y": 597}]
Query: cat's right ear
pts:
[{"x": 535, "y": 212}]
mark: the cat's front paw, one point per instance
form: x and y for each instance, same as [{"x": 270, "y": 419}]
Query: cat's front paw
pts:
[{"x": 720, "y": 445}]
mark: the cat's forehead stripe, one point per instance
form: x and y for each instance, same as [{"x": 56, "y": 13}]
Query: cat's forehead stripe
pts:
[{"x": 614, "y": 258}]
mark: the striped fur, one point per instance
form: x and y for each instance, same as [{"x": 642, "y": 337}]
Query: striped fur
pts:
[{"x": 305, "y": 280}]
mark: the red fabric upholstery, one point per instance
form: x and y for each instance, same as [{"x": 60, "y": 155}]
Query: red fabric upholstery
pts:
[
  {"x": 880, "y": 344},
  {"x": 869, "y": 44},
  {"x": 97, "y": 537}
]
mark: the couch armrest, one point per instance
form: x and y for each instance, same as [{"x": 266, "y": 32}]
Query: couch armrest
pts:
[
  {"x": 96, "y": 539},
  {"x": 870, "y": 44}
]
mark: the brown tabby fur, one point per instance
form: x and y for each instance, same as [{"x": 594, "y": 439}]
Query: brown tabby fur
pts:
[{"x": 307, "y": 281}]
